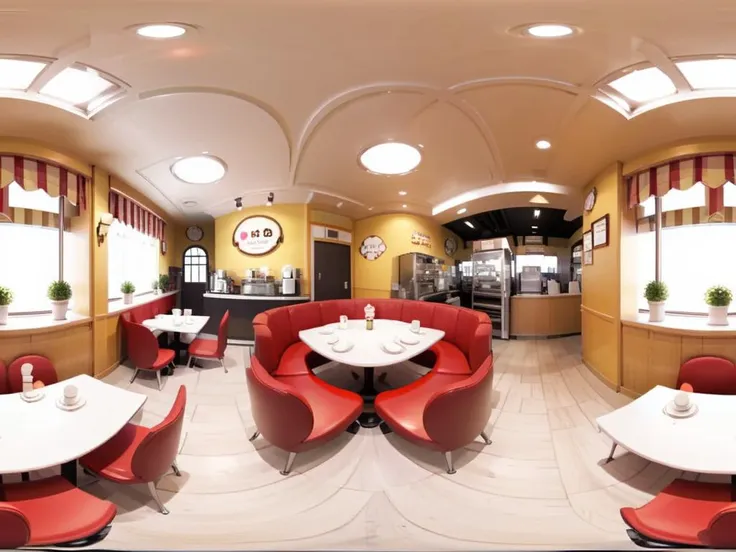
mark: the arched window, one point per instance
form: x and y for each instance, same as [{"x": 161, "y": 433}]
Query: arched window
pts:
[{"x": 195, "y": 266}]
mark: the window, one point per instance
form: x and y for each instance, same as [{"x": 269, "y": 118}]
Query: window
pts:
[
  {"x": 546, "y": 263},
  {"x": 676, "y": 200},
  {"x": 195, "y": 266},
  {"x": 132, "y": 256}
]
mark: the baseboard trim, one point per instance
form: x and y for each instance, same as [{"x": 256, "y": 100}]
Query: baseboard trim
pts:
[
  {"x": 608, "y": 383},
  {"x": 554, "y": 336},
  {"x": 629, "y": 393},
  {"x": 108, "y": 371}
]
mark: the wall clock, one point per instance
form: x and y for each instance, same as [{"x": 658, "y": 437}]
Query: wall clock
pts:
[
  {"x": 590, "y": 200},
  {"x": 195, "y": 233},
  {"x": 450, "y": 247}
]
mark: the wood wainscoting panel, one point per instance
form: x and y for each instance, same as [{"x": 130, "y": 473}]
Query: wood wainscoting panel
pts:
[
  {"x": 720, "y": 347},
  {"x": 547, "y": 315},
  {"x": 600, "y": 345},
  {"x": 691, "y": 347},
  {"x": 665, "y": 357},
  {"x": 635, "y": 359}
]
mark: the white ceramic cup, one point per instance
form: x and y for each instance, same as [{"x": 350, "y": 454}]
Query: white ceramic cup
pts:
[
  {"x": 416, "y": 326},
  {"x": 682, "y": 401},
  {"x": 176, "y": 312},
  {"x": 71, "y": 395},
  {"x": 343, "y": 322}
]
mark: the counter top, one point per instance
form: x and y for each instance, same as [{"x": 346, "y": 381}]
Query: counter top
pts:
[
  {"x": 542, "y": 296},
  {"x": 23, "y": 324},
  {"x": 240, "y": 297},
  {"x": 680, "y": 324}
]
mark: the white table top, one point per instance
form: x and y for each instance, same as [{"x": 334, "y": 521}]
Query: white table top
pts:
[
  {"x": 165, "y": 323},
  {"x": 703, "y": 443},
  {"x": 40, "y": 435},
  {"x": 366, "y": 351}
]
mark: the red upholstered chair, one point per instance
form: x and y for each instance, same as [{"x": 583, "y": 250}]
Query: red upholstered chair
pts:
[
  {"x": 140, "y": 454},
  {"x": 43, "y": 371},
  {"x": 4, "y": 388},
  {"x": 50, "y": 512},
  {"x": 144, "y": 352},
  {"x": 712, "y": 375},
  {"x": 298, "y": 412},
  {"x": 685, "y": 513},
  {"x": 212, "y": 349}
]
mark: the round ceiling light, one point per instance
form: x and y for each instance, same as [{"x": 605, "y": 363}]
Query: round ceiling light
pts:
[
  {"x": 550, "y": 31},
  {"x": 543, "y": 144},
  {"x": 391, "y": 158},
  {"x": 162, "y": 30},
  {"x": 199, "y": 169}
]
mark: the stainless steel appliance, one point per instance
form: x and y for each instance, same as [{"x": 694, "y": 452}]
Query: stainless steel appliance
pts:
[
  {"x": 530, "y": 280},
  {"x": 289, "y": 280},
  {"x": 419, "y": 276},
  {"x": 220, "y": 282},
  {"x": 491, "y": 288}
]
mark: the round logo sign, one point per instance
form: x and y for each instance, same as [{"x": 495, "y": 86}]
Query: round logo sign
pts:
[
  {"x": 257, "y": 235},
  {"x": 372, "y": 248}
]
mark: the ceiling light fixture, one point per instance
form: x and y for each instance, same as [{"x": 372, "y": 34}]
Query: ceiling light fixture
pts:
[
  {"x": 543, "y": 144},
  {"x": 644, "y": 85},
  {"x": 709, "y": 73},
  {"x": 535, "y": 227},
  {"x": 192, "y": 203},
  {"x": 402, "y": 193},
  {"x": 370, "y": 208},
  {"x": 461, "y": 211},
  {"x": 161, "y": 31},
  {"x": 269, "y": 201},
  {"x": 19, "y": 74},
  {"x": 404, "y": 206},
  {"x": 550, "y": 30},
  {"x": 539, "y": 199},
  {"x": 391, "y": 158},
  {"x": 239, "y": 203},
  {"x": 76, "y": 86},
  {"x": 199, "y": 169},
  {"x": 468, "y": 223},
  {"x": 339, "y": 204},
  {"x": 537, "y": 212}
]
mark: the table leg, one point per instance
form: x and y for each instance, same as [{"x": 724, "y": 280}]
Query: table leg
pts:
[
  {"x": 610, "y": 455},
  {"x": 69, "y": 472},
  {"x": 368, "y": 392},
  {"x": 177, "y": 354}
]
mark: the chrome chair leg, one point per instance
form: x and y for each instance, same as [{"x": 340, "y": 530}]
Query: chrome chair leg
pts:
[
  {"x": 158, "y": 377},
  {"x": 289, "y": 463},
  {"x": 610, "y": 455},
  {"x": 174, "y": 467},
  {"x": 157, "y": 499},
  {"x": 134, "y": 375},
  {"x": 485, "y": 438},
  {"x": 254, "y": 436},
  {"x": 450, "y": 466},
  {"x": 222, "y": 361},
  {"x": 190, "y": 361}
]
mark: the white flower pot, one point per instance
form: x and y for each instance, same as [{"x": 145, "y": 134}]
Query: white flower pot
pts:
[
  {"x": 127, "y": 298},
  {"x": 58, "y": 309},
  {"x": 718, "y": 316},
  {"x": 157, "y": 292},
  {"x": 3, "y": 315},
  {"x": 656, "y": 311}
]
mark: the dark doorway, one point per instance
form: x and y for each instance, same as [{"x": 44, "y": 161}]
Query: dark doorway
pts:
[
  {"x": 331, "y": 271},
  {"x": 194, "y": 281}
]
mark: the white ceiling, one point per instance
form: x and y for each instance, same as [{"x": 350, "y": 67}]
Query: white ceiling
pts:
[{"x": 288, "y": 92}]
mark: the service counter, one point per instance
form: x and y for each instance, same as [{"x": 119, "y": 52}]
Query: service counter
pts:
[
  {"x": 243, "y": 309},
  {"x": 545, "y": 315}
]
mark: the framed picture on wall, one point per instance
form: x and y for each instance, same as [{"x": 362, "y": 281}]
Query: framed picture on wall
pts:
[
  {"x": 588, "y": 257},
  {"x": 600, "y": 232},
  {"x": 587, "y": 241}
]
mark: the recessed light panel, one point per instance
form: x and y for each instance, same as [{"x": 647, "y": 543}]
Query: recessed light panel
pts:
[
  {"x": 76, "y": 86},
  {"x": 402, "y": 193},
  {"x": 468, "y": 223},
  {"x": 199, "y": 169},
  {"x": 391, "y": 158},
  {"x": 543, "y": 144},
  {"x": 161, "y": 31},
  {"x": 19, "y": 74},
  {"x": 537, "y": 212},
  {"x": 709, "y": 73},
  {"x": 644, "y": 85},
  {"x": 404, "y": 206},
  {"x": 550, "y": 31}
]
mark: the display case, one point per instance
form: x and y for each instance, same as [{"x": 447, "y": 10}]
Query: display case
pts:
[
  {"x": 418, "y": 276},
  {"x": 491, "y": 288}
]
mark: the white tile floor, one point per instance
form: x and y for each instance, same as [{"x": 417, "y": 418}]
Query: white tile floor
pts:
[{"x": 541, "y": 484}]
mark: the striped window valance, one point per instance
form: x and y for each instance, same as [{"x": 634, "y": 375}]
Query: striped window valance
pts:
[
  {"x": 34, "y": 174},
  {"x": 713, "y": 170},
  {"x": 135, "y": 215}
]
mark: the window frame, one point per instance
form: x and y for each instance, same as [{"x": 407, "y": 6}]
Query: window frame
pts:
[{"x": 187, "y": 255}]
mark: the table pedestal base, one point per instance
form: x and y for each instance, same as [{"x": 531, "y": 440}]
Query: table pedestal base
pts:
[
  {"x": 368, "y": 392},
  {"x": 69, "y": 472}
]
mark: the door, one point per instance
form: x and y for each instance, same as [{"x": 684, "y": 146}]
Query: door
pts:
[
  {"x": 331, "y": 271},
  {"x": 194, "y": 281}
]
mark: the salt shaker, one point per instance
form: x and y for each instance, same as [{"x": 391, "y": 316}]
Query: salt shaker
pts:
[{"x": 26, "y": 370}]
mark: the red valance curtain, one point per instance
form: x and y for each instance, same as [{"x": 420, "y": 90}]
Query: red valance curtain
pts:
[
  {"x": 135, "y": 215},
  {"x": 713, "y": 170}
]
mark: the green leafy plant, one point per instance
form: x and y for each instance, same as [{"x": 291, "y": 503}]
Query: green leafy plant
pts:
[
  {"x": 60, "y": 291},
  {"x": 718, "y": 296},
  {"x": 656, "y": 292},
  {"x": 6, "y": 296},
  {"x": 163, "y": 282},
  {"x": 127, "y": 287}
]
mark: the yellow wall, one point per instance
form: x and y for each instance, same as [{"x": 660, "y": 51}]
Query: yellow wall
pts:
[
  {"x": 330, "y": 219},
  {"x": 373, "y": 278},
  {"x": 293, "y": 251},
  {"x": 179, "y": 242}
]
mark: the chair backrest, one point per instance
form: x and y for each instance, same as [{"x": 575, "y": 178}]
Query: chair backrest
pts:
[
  {"x": 142, "y": 345},
  {"x": 455, "y": 416},
  {"x": 713, "y": 375},
  {"x": 222, "y": 334},
  {"x": 721, "y": 532},
  {"x": 43, "y": 370},
  {"x": 3, "y": 379},
  {"x": 155, "y": 454},
  {"x": 15, "y": 529},
  {"x": 281, "y": 414}
]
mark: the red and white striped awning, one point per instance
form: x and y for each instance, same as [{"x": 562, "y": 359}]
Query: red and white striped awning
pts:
[
  {"x": 34, "y": 174},
  {"x": 713, "y": 170},
  {"x": 133, "y": 214}
]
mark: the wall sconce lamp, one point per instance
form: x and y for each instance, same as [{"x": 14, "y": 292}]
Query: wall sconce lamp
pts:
[
  {"x": 103, "y": 227},
  {"x": 269, "y": 202},
  {"x": 239, "y": 203}
]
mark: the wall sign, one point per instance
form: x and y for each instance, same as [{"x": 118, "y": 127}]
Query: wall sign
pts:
[
  {"x": 257, "y": 235},
  {"x": 417, "y": 238},
  {"x": 533, "y": 240},
  {"x": 450, "y": 247},
  {"x": 372, "y": 248},
  {"x": 600, "y": 232},
  {"x": 590, "y": 200}
]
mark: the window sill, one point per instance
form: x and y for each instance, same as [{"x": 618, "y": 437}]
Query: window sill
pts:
[
  {"x": 682, "y": 325},
  {"x": 116, "y": 306},
  {"x": 30, "y": 323}
]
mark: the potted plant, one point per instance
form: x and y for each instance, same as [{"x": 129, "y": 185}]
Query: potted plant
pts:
[
  {"x": 128, "y": 290},
  {"x": 718, "y": 298},
  {"x": 154, "y": 285},
  {"x": 59, "y": 292},
  {"x": 656, "y": 293},
  {"x": 163, "y": 282},
  {"x": 6, "y": 297}
]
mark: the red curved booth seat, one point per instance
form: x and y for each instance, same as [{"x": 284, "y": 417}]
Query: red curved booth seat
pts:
[
  {"x": 3, "y": 379},
  {"x": 712, "y": 375},
  {"x": 686, "y": 513},
  {"x": 51, "y": 512},
  {"x": 445, "y": 410}
]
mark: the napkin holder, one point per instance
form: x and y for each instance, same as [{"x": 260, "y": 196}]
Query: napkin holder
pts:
[{"x": 370, "y": 314}]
